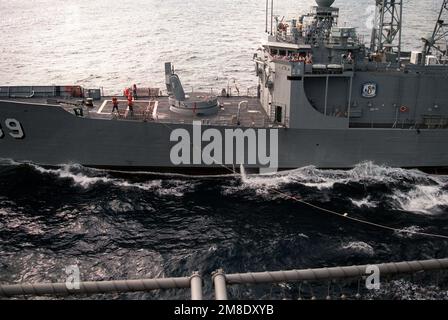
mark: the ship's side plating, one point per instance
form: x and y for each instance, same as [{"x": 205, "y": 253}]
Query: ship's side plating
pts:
[{"x": 54, "y": 136}]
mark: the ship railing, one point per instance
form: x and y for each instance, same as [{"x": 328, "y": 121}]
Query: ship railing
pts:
[
  {"x": 430, "y": 123},
  {"x": 194, "y": 282},
  {"x": 229, "y": 91},
  {"x": 221, "y": 280},
  {"x": 288, "y": 37},
  {"x": 72, "y": 91}
]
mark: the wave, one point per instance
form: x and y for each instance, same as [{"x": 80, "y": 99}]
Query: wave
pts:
[
  {"x": 364, "y": 203},
  {"x": 87, "y": 178},
  {"x": 366, "y": 186},
  {"x": 366, "y": 172},
  {"x": 424, "y": 199},
  {"x": 403, "y": 189},
  {"x": 167, "y": 175},
  {"x": 409, "y": 232},
  {"x": 358, "y": 247},
  {"x": 79, "y": 178}
]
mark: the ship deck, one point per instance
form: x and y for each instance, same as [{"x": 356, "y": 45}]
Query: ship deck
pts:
[{"x": 158, "y": 110}]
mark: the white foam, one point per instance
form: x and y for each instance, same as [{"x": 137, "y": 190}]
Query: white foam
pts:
[
  {"x": 310, "y": 176},
  {"x": 243, "y": 173},
  {"x": 409, "y": 232},
  {"x": 425, "y": 199},
  {"x": 427, "y": 194},
  {"x": 359, "y": 247},
  {"x": 8, "y": 162},
  {"x": 79, "y": 179},
  {"x": 143, "y": 186},
  {"x": 178, "y": 190},
  {"x": 174, "y": 187},
  {"x": 364, "y": 203}
]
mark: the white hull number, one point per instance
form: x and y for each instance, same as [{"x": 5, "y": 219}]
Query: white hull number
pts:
[{"x": 15, "y": 129}]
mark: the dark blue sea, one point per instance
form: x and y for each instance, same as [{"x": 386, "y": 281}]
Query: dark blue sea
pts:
[{"x": 118, "y": 225}]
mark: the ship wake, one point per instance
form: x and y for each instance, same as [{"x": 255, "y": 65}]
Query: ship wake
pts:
[
  {"x": 88, "y": 178},
  {"x": 366, "y": 186}
]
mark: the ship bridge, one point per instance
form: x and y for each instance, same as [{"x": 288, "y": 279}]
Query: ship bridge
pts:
[{"x": 315, "y": 34}]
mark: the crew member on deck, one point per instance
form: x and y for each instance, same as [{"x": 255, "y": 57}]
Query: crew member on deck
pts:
[
  {"x": 349, "y": 57},
  {"x": 134, "y": 91},
  {"x": 115, "y": 105},
  {"x": 309, "y": 58},
  {"x": 130, "y": 105}
]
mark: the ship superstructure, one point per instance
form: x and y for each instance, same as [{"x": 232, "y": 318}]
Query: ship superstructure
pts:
[{"x": 314, "y": 74}]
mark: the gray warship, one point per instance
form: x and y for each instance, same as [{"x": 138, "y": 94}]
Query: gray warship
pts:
[{"x": 324, "y": 98}]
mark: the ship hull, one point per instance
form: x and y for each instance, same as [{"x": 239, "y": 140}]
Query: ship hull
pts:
[{"x": 53, "y": 136}]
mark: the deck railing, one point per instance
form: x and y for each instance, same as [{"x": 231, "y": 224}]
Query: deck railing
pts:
[{"x": 220, "y": 280}]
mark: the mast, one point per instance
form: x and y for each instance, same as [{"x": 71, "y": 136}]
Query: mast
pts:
[
  {"x": 439, "y": 39},
  {"x": 386, "y": 34},
  {"x": 267, "y": 13}
]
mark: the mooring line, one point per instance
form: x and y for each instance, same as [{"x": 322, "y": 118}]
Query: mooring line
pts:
[{"x": 347, "y": 216}]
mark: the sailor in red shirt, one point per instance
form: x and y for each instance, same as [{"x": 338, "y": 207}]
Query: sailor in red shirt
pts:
[
  {"x": 115, "y": 105},
  {"x": 130, "y": 104}
]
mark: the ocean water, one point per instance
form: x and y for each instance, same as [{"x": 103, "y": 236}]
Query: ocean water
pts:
[
  {"x": 117, "y": 225},
  {"x": 114, "y": 43}
]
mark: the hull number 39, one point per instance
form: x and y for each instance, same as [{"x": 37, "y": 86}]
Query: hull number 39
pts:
[{"x": 13, "y": 128}]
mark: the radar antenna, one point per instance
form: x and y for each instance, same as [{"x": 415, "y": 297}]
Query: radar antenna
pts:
[
  {"x": 386, "y": 33},
  {"x": 437, "y": 44}
]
